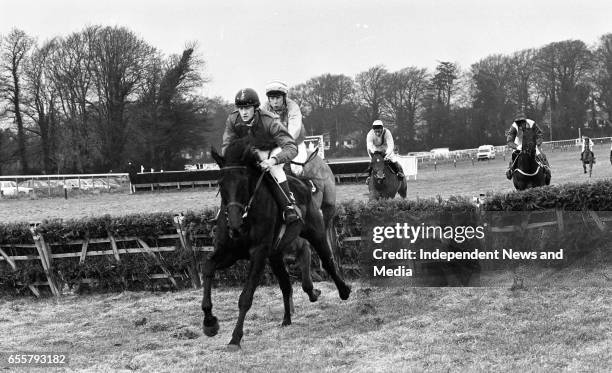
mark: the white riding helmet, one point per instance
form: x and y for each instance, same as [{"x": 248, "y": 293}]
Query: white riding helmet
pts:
[
  {"x": 276, "y": 86},
  {"x": 377, "y": 124}
]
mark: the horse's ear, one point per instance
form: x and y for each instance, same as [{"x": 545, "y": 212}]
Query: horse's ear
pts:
[{"x": 217, "y": 157}]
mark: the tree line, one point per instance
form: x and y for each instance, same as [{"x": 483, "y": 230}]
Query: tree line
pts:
[{"x": 102, "y": 98}]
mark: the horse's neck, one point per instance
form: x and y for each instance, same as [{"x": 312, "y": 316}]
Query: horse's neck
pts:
[{"x": 527, "y": 161}]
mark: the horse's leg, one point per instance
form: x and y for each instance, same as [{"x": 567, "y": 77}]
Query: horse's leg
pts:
[
  {"x": 403, "y": 189},
  {"x": 218, "y": 259},
  {"x": 328, "y": 208},
  {"x": 584, "y": 167},
  {"x": 302, "y": 256},
  {"x": 284, "y": 282},
  {"x": 256, "y": 268},
  {"x": 313, "y": 233}
]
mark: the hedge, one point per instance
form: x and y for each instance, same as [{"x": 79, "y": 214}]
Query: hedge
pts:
[{"x": 134, "y": 271}]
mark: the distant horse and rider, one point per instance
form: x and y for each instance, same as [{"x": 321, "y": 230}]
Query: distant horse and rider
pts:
[
  {"x": 587, "y": 157},
  {"x": 529, "y": 167},
  {"x": 383, "y": 182},
  {"x": 386, "y": 177}
]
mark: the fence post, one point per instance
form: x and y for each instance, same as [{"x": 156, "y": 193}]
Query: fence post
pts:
[
  {"x": 186, "y": 244},
  {"x": 45, "y": 257},
  {"x": 600, "y": 224},
  {"x": 113, "y": 244},
  {"x": 148, "y": 250}
]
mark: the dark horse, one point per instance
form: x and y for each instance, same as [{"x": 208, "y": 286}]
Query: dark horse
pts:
[
  {"x": 588, "y": 157},
  {"x": 383, "y": 182},
  {"x": 249, "y": 227},
  {"x": 529, "y": 173}
]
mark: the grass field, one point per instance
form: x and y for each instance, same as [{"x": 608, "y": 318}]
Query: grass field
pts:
[
  {"x": 565, "y": 325},
  {"x": 466, "y": 179}
]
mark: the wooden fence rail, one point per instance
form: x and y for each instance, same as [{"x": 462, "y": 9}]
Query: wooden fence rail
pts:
[{"x": 46, "y": 256}]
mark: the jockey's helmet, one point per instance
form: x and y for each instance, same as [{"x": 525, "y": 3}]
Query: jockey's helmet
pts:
[
  {"x": 276, "y": 88},
  {"x": 378, "y": 124},
  {"x": 520, "y": 116},
  {"x": 247, "y": 97}
]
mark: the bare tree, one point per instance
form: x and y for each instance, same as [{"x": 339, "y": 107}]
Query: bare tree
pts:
[
  {"x": 405, "y": 89},
  {"x": 14, "y": 49},
  {"x": 41, "y": 101},
  {"x": 120, "y": 60},
  {"x": 371, "y": 87},
  {"x": 328, "y": 104},
  {"x": 603, "y": 74},
  {"x": 71, "y": 71},
  {"x": 563, "y": 70}
]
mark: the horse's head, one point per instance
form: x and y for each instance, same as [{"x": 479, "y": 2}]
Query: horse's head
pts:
[
  {"x": 377, "y": 164},
  {"x": 237, "y": 166}
]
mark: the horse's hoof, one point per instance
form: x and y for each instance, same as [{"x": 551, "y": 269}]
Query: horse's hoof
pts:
[
  {"x": 232, "y": 347},
  {"x": 314, "y": 296},
  {"x": 211, "y": 327},
  {"x": 344, "y": 291},
  {"x": 286, "y": 322}
]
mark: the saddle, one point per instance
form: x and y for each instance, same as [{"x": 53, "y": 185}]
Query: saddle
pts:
[{"x": 305, "y": 180}]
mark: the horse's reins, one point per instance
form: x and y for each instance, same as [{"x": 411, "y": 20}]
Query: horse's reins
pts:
[
  {"x": 310, "y": 157},
  {"x": 246, "y": 208},
  {"x": 523, "y": 172}
]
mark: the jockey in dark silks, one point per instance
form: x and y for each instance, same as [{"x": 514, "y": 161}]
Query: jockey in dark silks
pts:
[
  {"x": 379, "y": 139},
  {"x": 270, "y": 138},
  {"x": 514, "y": 139}
]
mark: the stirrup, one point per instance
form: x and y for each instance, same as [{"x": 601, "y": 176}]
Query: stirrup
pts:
[{"x": 291, "y": 214}]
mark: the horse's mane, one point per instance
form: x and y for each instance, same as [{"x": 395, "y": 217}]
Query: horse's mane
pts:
[
  {"x": 240, "y": 152},
  {"x": 529, "y": 140}
]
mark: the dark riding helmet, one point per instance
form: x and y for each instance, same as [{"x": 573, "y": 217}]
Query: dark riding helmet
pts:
[
  {"x": 520, "y": 116},
  {"x": 247, "y": 97}
]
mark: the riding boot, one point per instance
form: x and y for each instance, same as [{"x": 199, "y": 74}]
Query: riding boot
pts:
[
  {"x": 400, "y": 171},
  {"x": 285, "y": 199},
  {"x": 369, "y": 172},
  {"x": 509, "y": 173},
  {"x": 288, "y": 170}
]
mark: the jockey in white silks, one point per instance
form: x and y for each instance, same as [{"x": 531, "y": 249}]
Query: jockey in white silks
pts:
[
  {"x": 290, "y": 116},
  {"x": 379, "y": 139},
  {"x": 514, "y": 139}
]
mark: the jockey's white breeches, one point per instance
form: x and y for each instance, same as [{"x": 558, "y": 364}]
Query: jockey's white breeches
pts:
[
  {"x": 301, "y": 158},
  {"x": 277, "y": 170}
]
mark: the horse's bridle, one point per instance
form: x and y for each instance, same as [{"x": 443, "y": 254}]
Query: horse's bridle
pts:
[
  {"x": 245, "y": 209},
  {"x": 523, "y": 150}
]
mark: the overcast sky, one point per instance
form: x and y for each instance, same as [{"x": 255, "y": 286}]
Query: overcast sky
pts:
[{"x": 247, "y": 43}]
